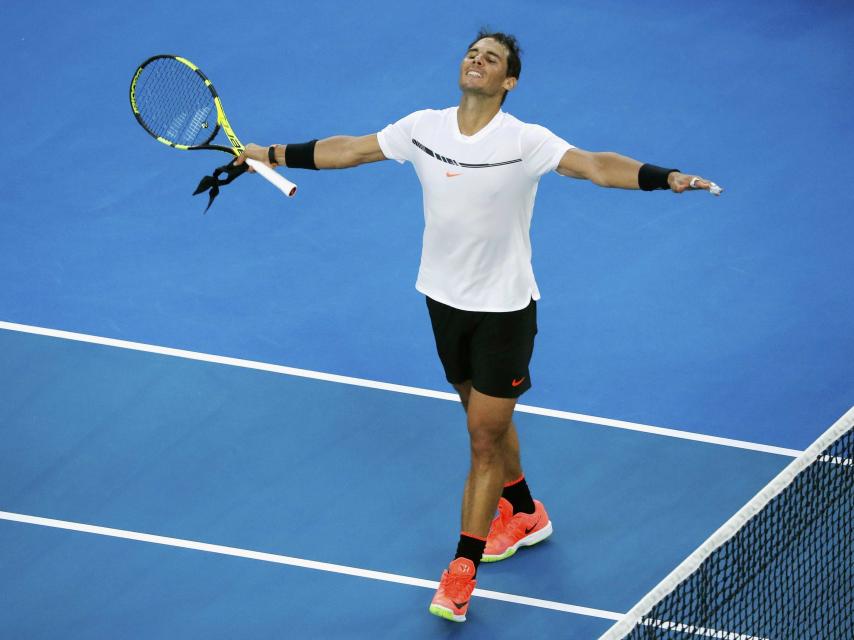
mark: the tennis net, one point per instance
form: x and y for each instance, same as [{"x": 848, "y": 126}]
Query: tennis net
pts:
[{"x": 782, "y": 568}]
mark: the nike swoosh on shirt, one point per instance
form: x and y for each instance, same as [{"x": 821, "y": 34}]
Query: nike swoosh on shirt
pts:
[
  {"x": 516, "y": 383},
  {"x": 452, "y": 175}
]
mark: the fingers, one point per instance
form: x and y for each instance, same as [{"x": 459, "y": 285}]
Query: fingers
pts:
[
  {"x": 253, "y": 151},
  {"x": 241, "y": 159},
  {"x": 698, "y": 183}
]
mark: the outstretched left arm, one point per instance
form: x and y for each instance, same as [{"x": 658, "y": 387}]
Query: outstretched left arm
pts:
[{"x": 608, "y": 169}]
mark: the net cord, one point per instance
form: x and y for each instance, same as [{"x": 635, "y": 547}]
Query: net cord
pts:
[{"x": 732, "y": 526}]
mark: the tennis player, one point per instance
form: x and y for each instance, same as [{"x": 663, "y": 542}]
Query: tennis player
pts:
[{"x": 479, "y": 168}]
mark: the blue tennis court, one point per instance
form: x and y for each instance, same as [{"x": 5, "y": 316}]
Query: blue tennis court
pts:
[{"x": 234, "y": 425}]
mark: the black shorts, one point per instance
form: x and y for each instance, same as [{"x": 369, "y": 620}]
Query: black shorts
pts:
[{"x": 492, "y": 349}]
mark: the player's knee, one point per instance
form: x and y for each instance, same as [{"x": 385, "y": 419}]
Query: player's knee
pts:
[{"x": 486, "y": 440}]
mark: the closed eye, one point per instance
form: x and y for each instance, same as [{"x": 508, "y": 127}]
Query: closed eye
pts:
[{"x": 490, "y": 57}]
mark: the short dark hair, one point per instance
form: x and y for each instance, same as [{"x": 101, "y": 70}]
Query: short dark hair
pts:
[{"x": 514, "y": 61}]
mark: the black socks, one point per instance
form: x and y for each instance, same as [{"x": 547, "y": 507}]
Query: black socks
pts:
[
  {"x": 518, "y": 494},
  {"x": 470, "y": 547}
]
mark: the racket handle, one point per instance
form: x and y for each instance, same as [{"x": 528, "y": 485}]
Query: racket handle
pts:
[{"x": 280, "y": 182}]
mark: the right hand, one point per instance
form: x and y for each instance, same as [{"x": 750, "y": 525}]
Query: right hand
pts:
[{"x": 681, "y": 182}]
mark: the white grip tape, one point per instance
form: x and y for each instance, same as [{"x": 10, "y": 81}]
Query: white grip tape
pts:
[{"x": 280, "y": 182}]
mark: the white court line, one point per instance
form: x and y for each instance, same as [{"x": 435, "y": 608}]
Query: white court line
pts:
[
  {"x": 298, "y": 562},
  {"x": 385, "y": 386}
]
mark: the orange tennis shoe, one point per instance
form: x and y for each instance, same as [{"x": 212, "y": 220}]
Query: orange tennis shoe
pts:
[
  {"x": 454, "y": 593},
  {"x": 510, "y": 531}
]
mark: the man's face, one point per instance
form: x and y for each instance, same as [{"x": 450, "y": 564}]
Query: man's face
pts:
[{"x": 484, "y": 69}]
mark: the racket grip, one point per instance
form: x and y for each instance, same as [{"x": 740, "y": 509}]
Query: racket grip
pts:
[{"x": 280, "y": 182}]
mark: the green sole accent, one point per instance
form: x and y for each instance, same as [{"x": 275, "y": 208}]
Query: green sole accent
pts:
[
  {"x": 444, "y": 613},
  {"x": 503, "y": 556}
]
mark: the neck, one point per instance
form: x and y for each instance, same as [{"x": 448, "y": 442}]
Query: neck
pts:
[{"x": 475, "y": 112}]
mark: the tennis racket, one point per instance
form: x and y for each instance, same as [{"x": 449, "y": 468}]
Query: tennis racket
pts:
[{"x": 176, "y": 103}]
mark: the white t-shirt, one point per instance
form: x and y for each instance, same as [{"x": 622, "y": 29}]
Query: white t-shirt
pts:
[{"x": 478, "y": 200}]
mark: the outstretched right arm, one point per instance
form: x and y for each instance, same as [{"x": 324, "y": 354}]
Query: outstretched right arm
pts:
[{"x": 337, "y": 152}]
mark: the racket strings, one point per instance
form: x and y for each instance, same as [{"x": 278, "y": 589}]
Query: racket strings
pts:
[{"x": 175, "y": 103}]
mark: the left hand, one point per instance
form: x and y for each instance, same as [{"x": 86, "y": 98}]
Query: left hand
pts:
[
  {"x": 255, "y": 152},
  {"x": 680, "y": 182}
]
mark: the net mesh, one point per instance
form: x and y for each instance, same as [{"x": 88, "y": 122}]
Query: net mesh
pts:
[
  {"x": 175, "y": 103},
  {"x": 786, "y": 573}
]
